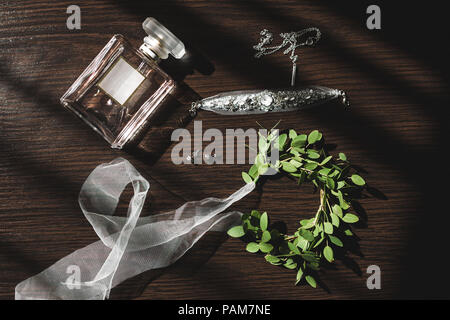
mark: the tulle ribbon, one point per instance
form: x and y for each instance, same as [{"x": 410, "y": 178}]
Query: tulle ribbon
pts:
[{"x": 128, "y": 245}]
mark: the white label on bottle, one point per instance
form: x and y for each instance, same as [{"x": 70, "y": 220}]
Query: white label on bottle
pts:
[{"x": 121, "y": 81}]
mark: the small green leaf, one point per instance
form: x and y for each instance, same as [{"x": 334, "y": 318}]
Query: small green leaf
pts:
[
  {"x": 350, "y": 218},
  {"x": 336, "y": 241},
  {"x": 314, "y": 136},
  {"x": 292, "y": 134},
  {"x": 328, "y": 228},
  {"x": 253, "y": 172},
  {"x": 246, "y": 177},
  {"x": 272, "y": 259},
  {"x": 272, "y": 134},
  {"x": 335, "y": 220},
  {"x": 330, "y": 183},
  {"x": 263, "y": 146},
  {"x": 300, "y": 150},
  {"x": 289, "y": 261},
  {"x": 263, "y": 168},
  {"x": 293, "y": 247},
  {"x": 236, "y": 232},
  {"x": 316, "y": 231},
  {"x": 358, "y": 180},
  {"x": 281, "y": 141},
  {"x": 312, "y": 154},
  {"x": 326, "y": 160},
  {"x": 295, "y": 152},
  {"x": 319, "y": 137},
  {"x": 333, "y": 173},
  {"x": 318, "y": 242},
  {"x": 342, "y": 156},
  {"x": 302, "y": 243},
  {"x": 310, "y": 166},
  {"x": 295, "y": 163},
  {"x": 252, "y": 247},
  {"x": 305, "y": 222},
  {"x": 319, "y": 227},
  {"x": 299, "y": 276},
  {"x": 265, "y": 247},
  {"x": 340, "y": 184},
  {"x": 328, "y": 253},
  {"x": 311, "y": 281},
  {"x": 337, "y": 210},
  {"x": 306, "y": 234},
  {"x": 265, "y": 236},
  {"x": 348, "y": 232},
  {"x": 289, "y": 167},
  {"x": 299, "y": 141},
  {"x": 259, "y": 160},
  {"x": 344, "y": 205},
  {"x": 264, "y": 221},
  {"x": 291, "y": 266},
  {"x": 256, "y": 214}
]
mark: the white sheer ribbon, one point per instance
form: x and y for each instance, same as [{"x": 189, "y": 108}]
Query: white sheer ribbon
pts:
[{"x": 128, "y": 245}]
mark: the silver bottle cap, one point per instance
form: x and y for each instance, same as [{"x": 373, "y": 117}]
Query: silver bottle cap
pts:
[{"x": 160, "y": 42}]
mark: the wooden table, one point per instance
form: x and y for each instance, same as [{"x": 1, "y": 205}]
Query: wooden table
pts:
[{"x": 396, "y": 78}]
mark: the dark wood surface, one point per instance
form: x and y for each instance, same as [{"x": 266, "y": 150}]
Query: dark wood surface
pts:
[{"x": 396, "y": 78}]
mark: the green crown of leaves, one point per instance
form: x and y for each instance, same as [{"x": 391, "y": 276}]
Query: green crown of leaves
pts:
[{"x": 303, "y": 158}]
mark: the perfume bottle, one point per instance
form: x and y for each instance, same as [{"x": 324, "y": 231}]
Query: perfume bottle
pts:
[{"x": 122, "y": 89}]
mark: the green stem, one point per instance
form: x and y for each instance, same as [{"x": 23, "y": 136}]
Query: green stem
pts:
[{"x": 322, "y": 192}]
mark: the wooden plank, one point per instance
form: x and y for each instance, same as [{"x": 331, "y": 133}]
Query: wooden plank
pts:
[{"x": 395, "y": 124}]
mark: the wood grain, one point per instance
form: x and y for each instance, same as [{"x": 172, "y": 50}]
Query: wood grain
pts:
[{"x": 396, "y": 78}]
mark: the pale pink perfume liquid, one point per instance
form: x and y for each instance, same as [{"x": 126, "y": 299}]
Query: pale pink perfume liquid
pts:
[{"x": 123, "y": 88}]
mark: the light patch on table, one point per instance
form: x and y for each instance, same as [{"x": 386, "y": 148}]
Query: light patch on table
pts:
[{"x": 121, "y": 81}]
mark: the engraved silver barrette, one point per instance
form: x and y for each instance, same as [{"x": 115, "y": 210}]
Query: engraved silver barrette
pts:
[{"x": 264, "y": 101}]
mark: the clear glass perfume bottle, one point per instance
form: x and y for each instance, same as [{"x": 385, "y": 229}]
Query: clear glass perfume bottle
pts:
[{"x": 123, "y": 88}]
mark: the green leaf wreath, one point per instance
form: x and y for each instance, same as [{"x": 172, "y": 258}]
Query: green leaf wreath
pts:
[{"x": 304, "y": 158}]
